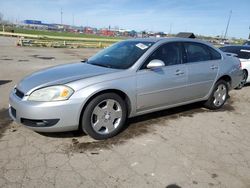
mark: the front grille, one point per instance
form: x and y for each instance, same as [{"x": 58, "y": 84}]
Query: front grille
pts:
[
  {"x": 39, "y": 123},
  {"x": 19, "y": 93},
  {"x": 13, "y": 111}
]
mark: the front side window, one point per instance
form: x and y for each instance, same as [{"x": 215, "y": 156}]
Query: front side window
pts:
[
  {"x": 196, "y": 52},
  {"x": 121, "y": 55},
  {"x": 169, "y": 53}
]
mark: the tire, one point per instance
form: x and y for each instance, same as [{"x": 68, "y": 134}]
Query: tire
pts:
[
  {"x": 104, "y": 116},
  {"x": 243, "y": 81},
  {"x": 218, "y": 96}
]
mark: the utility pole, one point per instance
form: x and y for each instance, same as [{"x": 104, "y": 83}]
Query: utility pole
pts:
[
  {"x": 229, "y": 19},
  {"x": 222, "y": 33},
  {"x": 249, "y": 33},
  {"x": 73, "y": 19},
  {"x": 170, "y": 29},
  {"x": 61, "y": 15}
]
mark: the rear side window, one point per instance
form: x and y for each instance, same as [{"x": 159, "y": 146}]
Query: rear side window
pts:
[
  {"x": 214, "y": 54},
  {"x": 196, "y": 52}
]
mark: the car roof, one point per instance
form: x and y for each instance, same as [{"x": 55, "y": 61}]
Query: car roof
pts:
[{"x": 170, "y": 39}]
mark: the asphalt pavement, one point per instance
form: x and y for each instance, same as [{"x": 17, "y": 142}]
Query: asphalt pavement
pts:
[{"x": 188, "y": 146}]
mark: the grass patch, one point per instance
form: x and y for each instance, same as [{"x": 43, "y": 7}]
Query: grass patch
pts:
[{"x": 61, "y": 34}]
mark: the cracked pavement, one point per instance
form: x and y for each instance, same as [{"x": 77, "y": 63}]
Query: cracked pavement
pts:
[{"x": 183, "y": 147}]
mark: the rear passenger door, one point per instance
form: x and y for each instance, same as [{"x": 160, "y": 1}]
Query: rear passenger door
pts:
[{"x": 202, "y": 65}]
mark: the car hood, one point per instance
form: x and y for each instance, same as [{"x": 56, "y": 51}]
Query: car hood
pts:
[{"x": 61, "y": 75}]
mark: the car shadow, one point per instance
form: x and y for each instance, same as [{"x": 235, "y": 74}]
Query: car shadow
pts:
[
  {"x": 173, "y": 113},
  {"x": 2, "y": 82},
  {"x": 138, "y": 126},
  {"x": 135, "y": 127},
  {"x": 173, "y": 186},
  {"x": 69, "y": 134},
  {"x": 247, "y": 85},
  {"x": 5, "y": 121}
]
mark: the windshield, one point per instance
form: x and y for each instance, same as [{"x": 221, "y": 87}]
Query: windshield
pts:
[
  {"x": 241, "y": 52},
  {"x": 121, "y": 55}
]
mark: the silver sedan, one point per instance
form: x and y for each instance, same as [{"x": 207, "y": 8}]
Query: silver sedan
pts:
[{"x": 128, "y": 79}]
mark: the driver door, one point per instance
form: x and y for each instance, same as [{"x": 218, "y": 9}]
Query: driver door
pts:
[{"x": 164, "y": 86}]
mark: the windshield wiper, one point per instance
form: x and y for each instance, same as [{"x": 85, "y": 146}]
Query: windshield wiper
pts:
[{"x": 101, "y": 65}]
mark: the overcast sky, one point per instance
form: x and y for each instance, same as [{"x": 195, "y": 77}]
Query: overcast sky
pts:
[{"x": 207, "y": 17}]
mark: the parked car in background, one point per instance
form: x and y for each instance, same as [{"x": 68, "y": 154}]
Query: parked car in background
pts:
[
  {"x": 243, "y": 53},
  {"x": 128, "y": 79},
  {"x": 247, "y": 43}
]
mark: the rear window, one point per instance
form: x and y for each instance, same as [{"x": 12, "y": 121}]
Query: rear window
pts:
[
  {"x": 241, "y": 52},
  {"x": 214, "y": 54}
]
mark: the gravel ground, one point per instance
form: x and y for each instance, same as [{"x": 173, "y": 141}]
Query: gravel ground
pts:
[{"x": 188, "y": 146}]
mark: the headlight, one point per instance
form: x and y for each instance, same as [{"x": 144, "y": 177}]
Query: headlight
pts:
[{"x": 52, "y": 93}]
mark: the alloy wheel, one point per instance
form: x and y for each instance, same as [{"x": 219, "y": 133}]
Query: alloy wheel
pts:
[
  {"x": 220, "y": 95},
  {"x": 106, "y": 116}
]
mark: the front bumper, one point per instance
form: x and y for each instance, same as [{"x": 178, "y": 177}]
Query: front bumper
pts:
[{"x": 56, "y": 116}]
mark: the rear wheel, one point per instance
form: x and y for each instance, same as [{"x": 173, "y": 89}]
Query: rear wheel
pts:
[
  {"x": 104, "y": 116},
  {"x": 243, "y": 81},
  {"x": 219, "y": 96}
]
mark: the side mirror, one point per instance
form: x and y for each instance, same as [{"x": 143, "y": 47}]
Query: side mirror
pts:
[
  {"x": 84, "y": 60},
  {"x": 156, "y": 63}
]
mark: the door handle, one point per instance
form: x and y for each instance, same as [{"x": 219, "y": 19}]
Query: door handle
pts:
[
  {"x": 213, "y": 67},
  {"x": 179, "y": 72}
]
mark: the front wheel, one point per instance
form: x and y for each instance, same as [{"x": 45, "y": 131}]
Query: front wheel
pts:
[
  {"x": 104, "y": 116},
  {"x": 219, "y": 96}
]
